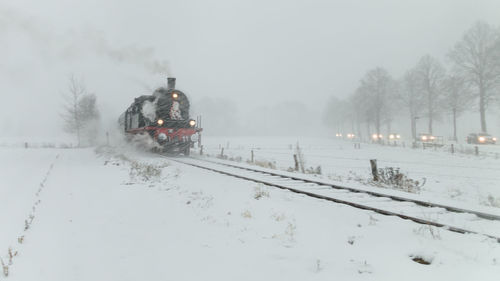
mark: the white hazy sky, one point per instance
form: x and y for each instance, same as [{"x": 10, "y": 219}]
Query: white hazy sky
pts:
[{"x": 256, "y": 53}]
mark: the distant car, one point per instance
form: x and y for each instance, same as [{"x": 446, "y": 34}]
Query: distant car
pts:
[
  {"x": 351, "y": 136},
  {"x": 377, "y": 137},
  {"x": 427, "y": 138},
  {"x": 481, "y": 138},
  {"x": 394, "y": 136}
]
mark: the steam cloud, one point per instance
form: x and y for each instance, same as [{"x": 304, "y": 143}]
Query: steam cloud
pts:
[
  {"x": 149, "y": 110},
  {"x": 72, "y": 46}
]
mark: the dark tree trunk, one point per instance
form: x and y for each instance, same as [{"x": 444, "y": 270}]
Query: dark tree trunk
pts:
[
  {"x": 413, "y": 127},
  {"x": 455, "y": 124},
  {"x": 482, "y": 109},
  {"x": 429, "y": 100}
]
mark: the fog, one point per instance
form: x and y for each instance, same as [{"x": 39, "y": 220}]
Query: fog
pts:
[{"x": 248, "y": 67}]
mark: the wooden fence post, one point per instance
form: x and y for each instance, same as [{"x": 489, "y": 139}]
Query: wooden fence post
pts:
[
  {"x": 373, "y": 164},
  {"x": 476, "y": 150},
  {"x": 251, "y": 158},
  {"x": 222, "y": 152},
  {"x": 452, "y": 149},
  {"x": 201, "y": 150},
  {"x": 296, "y": 162}
]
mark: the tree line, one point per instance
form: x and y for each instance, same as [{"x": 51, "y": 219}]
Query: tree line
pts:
[{"x": 427, "y": 89}]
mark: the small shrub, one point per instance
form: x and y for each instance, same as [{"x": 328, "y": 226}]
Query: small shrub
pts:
[
  {"x": 394, "y": 178},
  {"x": 246, "y": 214},
  {"x": 266, "y": 164},
  {"x": 279, "y": 217},
  {"x": 432, "y": 230},
  {"x": 314, "y": 171},
  {"x": 492, "y": 201},
  {"x": 259, "y": 193},
  {"x": 144, "y": 172},
  {"x": 290, "y": 231},
  {"x": 5, "y": 268}
]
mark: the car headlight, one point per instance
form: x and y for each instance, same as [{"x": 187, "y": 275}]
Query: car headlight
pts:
[
  {"x": 375, "y": 136},
  {"x": 482, "y": 139},
  {"x": 160, "y": 122},
  {"x": 424, "y": 137},
  {"x": 398, "y": 136},
  {"x": 192, "y": 123},
  {"x": 391, "y": 136},
  {"x": 432, "y": 137},
  {"x": 494, "y": 139}
]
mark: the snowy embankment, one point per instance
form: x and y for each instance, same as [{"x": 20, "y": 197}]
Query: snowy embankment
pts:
[
  {"x": 129, "y": 216},
  {"x": 467, "y": 180}
]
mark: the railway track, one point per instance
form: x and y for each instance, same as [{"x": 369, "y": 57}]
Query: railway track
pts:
[{"x": 447, "y": 217}]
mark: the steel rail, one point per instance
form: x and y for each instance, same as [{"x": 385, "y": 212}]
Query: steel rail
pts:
[
  {"x": 373, "y": 193},
  {"x": 331, "y": 199}
]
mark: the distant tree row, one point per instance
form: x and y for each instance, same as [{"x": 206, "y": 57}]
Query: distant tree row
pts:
[{"x": 427, "y": 89}]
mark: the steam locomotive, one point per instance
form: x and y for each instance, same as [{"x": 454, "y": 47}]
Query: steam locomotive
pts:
[{"x": 161, "y": 120}]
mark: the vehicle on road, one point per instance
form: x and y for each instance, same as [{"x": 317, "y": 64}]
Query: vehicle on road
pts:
[{"x": 481, "y": 138}]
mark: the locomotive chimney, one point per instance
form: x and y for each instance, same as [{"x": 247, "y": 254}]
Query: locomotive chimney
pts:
[{"x": 170, "y": 83}]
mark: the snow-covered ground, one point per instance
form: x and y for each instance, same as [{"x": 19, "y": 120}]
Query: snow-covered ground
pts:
[
  {"x": 468, "y": 180},
  {"x": 133, "y": 216}
]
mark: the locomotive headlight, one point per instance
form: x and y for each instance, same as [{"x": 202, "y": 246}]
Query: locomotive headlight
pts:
[
  {"x": 162, "y": 137},
  {"x": 481, "y": 139},
  {"x": 175, "y": 95},
  {"x": 160, "y": 122},
  {"x": 192, "y": 123},
  {"x": 424, "y": 138}
]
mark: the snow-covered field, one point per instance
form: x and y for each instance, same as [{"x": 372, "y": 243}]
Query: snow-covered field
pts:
[
  {"x": 464, "y": 179},
  {"x": 116, "y": 215}
]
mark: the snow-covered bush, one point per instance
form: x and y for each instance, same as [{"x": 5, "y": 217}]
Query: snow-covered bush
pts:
[
  {"x": 394, "y": 178},
  {"x": 144, "y": 172}
]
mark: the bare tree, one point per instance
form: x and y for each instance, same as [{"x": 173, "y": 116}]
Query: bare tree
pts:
[
  {"x": 71, "y": 115},
  {"x": 477, "y": 58},
  {"x": 79, "y": 110},
  {"x": 377, "y": 85},
  {"x": 458, "y": 98},
  {"x": 411, "y": 95},
  {"x": 430, "y": 75}
]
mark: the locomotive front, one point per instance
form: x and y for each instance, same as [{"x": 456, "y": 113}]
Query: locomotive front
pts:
[{"x": 164, "y": 118}]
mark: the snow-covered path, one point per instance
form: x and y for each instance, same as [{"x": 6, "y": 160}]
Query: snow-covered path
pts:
[{"x": 99, "y": 219}]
